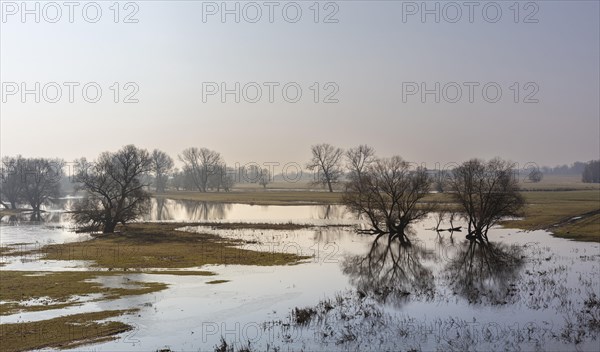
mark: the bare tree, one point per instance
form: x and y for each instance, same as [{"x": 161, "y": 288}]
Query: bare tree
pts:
[
  {"x": 487, "y": 192},
  {"x": 388, "y": 194},
  {"x": 162, "y": 164},
  {"x": 591, "y": 172},
  {"x": 201, "y": 164},
  {"x": 359, "y": 159},
  {"x": 265, "y": 178},
  {"x": 35, "y": 181},
  {"x": 114, "y": 189},
  {"x": 535, "y": 176},
  {"x": 326, "y": 161},
  {"x": 221, "y": 179},
  {"x": 177, "y": 179},
  {"x": 250, "y": 173},
  {"x": 12, "y": 183},
  {"x": 41, "y": 181}
]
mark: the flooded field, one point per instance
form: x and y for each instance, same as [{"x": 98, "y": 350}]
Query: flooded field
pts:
[{"x": 523, "y": 291}]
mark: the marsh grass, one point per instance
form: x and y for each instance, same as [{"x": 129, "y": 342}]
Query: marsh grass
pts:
[
  {"x": 283, "y": 226},
  {"x": 555, "y": 211},
  {"x": 161, "y": 245},
  {"x": 69, "y": 331},
  {"x": 180, "y": 272},
  {"x": 53, "y": 290}
]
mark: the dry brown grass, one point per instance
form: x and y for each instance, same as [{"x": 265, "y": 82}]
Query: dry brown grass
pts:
[
  {"x": 57, "y": 289},
  {"x": 160, "y": 245},
  {"x": 64, "y": 332}
]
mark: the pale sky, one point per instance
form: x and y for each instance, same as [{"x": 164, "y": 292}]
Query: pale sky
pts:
[{"x": 370, "y": 54}]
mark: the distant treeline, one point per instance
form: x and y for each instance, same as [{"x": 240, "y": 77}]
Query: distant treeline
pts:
[{"x": 574, "y": 169}]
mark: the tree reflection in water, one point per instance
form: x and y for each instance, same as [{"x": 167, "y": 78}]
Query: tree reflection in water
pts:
[
  {"x": 162, "y": 212},
  {"x": 392, "y": 271},
  {"x": 206, "y": 210},
  {"x": 485, "y": 272},
  {"x": 32, "y": 218},
  {"x": 326, "y": 212},
  {"x": 166, "y": 209}
]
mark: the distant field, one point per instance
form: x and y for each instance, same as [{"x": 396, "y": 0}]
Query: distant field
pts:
[
  {"x": 300, "y": 185},
  {"x": 548, "y": 183},
  {"x": 559, "y": 183}
]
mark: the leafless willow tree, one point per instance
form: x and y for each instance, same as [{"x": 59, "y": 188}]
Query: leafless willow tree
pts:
[
  {"x": 41, "y": 182},
  {"x": 35, "y": 181},
  {"x": 162, "y": 164},
  {"x": 114, "y": 191},
  {"x": 487, "y": 192},
  {"x": 359, "y": 159},
  {"x": 326, "y": 162},
  {"x": 200, "y": 164},
  {"x": 11, "y": 185},
  {"x": 388, "y": 194}
]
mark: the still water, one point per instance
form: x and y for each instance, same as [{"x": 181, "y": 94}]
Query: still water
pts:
[{"x": 527, "y": 291}]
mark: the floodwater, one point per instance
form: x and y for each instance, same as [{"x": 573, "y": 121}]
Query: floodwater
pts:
[{"x": 527, "y": 290}]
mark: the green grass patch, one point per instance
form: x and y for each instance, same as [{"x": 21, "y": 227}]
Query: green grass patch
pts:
[
  {"x": 53, "y": 290},
  {"x": 214, "y": 282},
  {"x": 64, "y": 332},
  {"x": 160, "y": 245}
]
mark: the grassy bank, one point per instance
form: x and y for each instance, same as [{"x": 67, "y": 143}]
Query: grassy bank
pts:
[
  {"x": 53, "y": 290},
  {"x": 135, "y": 247},
  {"x": 555, "y": 211},
  {"x": 156, "y": 245},
  {"x": 64, "y": 332}
]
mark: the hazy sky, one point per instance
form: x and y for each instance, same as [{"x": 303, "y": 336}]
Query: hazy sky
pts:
[{"x": 371, "y": 55}]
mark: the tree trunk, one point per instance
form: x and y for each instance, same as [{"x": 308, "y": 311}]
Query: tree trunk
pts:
[
  {"x": 329, "y": 184},
  {"x": 109, "y": 227}
]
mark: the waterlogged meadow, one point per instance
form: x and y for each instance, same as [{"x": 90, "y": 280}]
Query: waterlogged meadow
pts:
[{"x": 297, "y": 278}]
